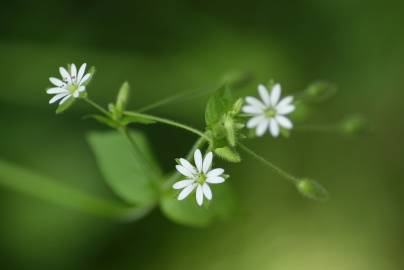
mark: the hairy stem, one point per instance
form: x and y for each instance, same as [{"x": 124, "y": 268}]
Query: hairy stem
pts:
[
  {"x": 278, "y": 170},
  {"x": 96, "y": 106}
]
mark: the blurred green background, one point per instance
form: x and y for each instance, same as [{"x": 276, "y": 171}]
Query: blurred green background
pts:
[{"x": 163, "y": 47}]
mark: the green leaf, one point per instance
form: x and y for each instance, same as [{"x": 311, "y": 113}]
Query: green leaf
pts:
[
  {"x": 131, "y": 172},
  {"x": 30, "y": 183},
  {"x": 66, "y": 105},
  {"x": 218, "y": 104},
  {"x": 187, "y": 212},
  {"x": 228, "y": 154},
  {"x": 133, "y": 119},
  {"x": 103, "y": 120},
  {"x": 123, "y": 97}
]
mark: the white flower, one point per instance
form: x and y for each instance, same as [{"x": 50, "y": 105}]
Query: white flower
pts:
[
  {"x": 70, "y": 85},
  {"x": 198, "y": 177},
  {"x": 270, "y": 113}
]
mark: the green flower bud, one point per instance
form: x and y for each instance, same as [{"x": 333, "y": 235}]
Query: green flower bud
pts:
[
  {"x": 354, "y": 125},
  {"x": 237, "y": 106},
  {"x": 228, "y": 154},
  {"x": 320, "y": 91},
  {"x": 228, "y": 123},
  {"x": 312, "y": 190}
]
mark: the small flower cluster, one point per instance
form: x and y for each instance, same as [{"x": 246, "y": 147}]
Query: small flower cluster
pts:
[{"x": 268, "y": 114}]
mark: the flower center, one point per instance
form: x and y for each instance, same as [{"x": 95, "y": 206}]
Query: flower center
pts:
[
  {"x": 72, "y": 88},
  {"x": 201, "y": 179},
  {"x": 271, "y": 112}
]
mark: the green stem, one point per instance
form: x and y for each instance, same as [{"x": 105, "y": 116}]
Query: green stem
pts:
[
  {"x": 281, "y": 172},
  {"x": 25, "y": 181},
  {"x": 168, "y": 122},
  {"x": 96, "y": 106}
]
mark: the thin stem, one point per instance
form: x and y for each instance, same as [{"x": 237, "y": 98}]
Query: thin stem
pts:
[
  {"x": 281, "y": 172},
  {"x": 96, "y": 106},
  {"x": 169, "y": 122}
]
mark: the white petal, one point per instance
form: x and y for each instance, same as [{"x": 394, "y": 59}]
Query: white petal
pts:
[
  {"x": 207, "y": 191},
  {"x": 85, "y": 78},
  {"x": 186, "y": 191},
  {"x": 215, "y": 180},
  {"x": 275, "y": 94},
  {"x": 185, "y": 163},
  {"x": 73, "y": 72},
  {"x": 183, "y": 183},
  {"x": 64, "y": 99},
  {"x": 284, "y": 122},
  {"x": 285, "y": 101},
  {"x": 274, "y": 128},
  {"x": 285, "y": 109},
  {"x": 65, "y": 75},
  {"x": 81, "y": 88},
  {"x": 262, "y": 90},
  {"x": 261, "y": 128},
  {"x": 81, "y": 72},
  {"x": 198, "y": 159},
  {"x": 254, "y": 121},
  {"x": 182, "y": 170},
  {"x": 254, "y": 102},
  {"x": 57, "y": 97},
  {"x": 207, "y": 162},
  {"x": 56, "y": 90},
  {"x": 76, "y": 94},
  {"x": 56, "y": 82},
  {"x": 252, "y": 109},
  {"x": 215, "y": 172},
  {"x": 199, "y": 195}
]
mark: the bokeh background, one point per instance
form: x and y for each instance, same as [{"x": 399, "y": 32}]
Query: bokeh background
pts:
[{"x": 164, "y": 47}]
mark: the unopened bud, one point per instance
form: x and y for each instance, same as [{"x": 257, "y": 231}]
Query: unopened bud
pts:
[
  {"x": 228, "y": 154},
  {"x": 320, "y": 91},
  {"x": 312, "y": 190},
  {"x": 123, "y": 97},
  {"x": 354, "y": 125}
]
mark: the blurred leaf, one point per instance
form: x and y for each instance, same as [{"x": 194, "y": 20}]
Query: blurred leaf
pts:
[
  {"x": 30, "y": 183},
  {"x": 131, "y": 172},
  {"x": 218, "y": 104},
  {"x": 66, "y": 105},
  {"x": 187, "y": 212}
]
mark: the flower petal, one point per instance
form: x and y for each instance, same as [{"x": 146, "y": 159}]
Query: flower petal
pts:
[
  {"x": 285, "y": 101},
  {"x": 262, "y": 127},
  {"x": 285, "y": 109},
  {"x": 81, "y": 88},
  {"x": 85, "y": 78},
  {"x": 198, "y": 159},
  {"x": 255, "y": 121},
  {"x": 215, "y": 180},
  {"x": 275, "y": 94},
  {"x": 81, "y": 72},
  {"x": 199, "y": 195},
  {"x": 263, "y": 91},
  {"x": 274, "y": 128},
  {"x": 56, "y": 82},
  {"x": 186, "y": 191},
  {"x": 183, "y": 183},
  {"x": 284, "y": 122},
  {"x": 207, "y": 191},
  {"x": 185, "y": 163},
  {"x": 65, "y": 75},
  {"x": 65, "y": 99},
  {"x": 56, "y": 90},
  {"x": 254, "y": 102},
  {"x": 182, "y": 170},
  {"x": 252, "y": 109},
  {"x": 215, "y": 172},
  {"x": 73, "y": 72},
  {"x": 57, "y": 97},
  {"x": 207, "y": 162},
  {"x": 76, "y": 94}
]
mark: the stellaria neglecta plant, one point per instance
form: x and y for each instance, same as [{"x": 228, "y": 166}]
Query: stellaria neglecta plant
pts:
[{"x": 131, "y": 171}]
